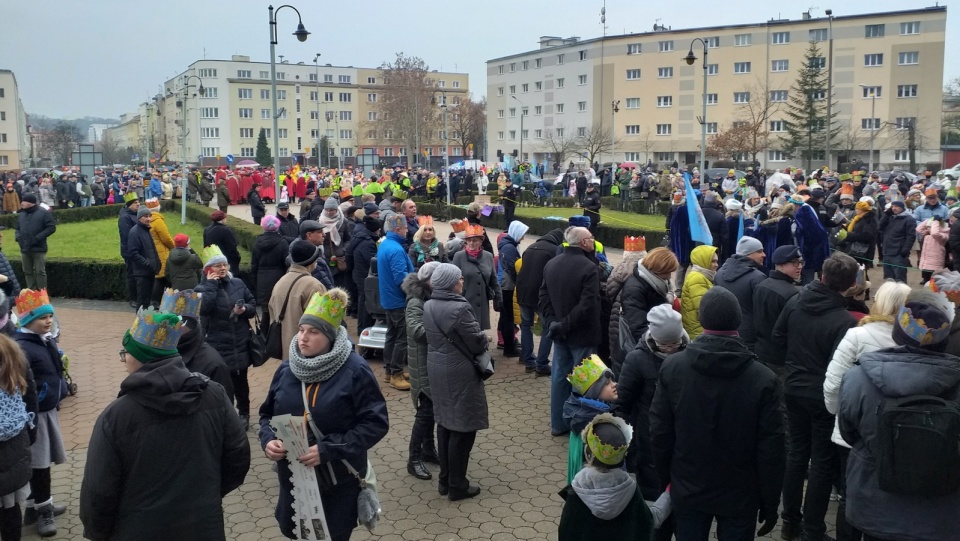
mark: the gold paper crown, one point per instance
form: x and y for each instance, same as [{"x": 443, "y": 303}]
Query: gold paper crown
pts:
[
  {"x": 425, "y": 220},
  {"x": 586, "y": 374},
  {"x": 330, "y": 306},
  {"x": 634, "y": 244},
  {"x": 152, "y": 203},
  {"x": 30, "y": 299},
  {"x": 184, "y": 303},
  {"x": 474, "y": 231},
  {"x": 129, "y": 196},
  {"x": 605, "y": 452},
  {"x": 459, "y": 226},
  {"x": 159, "y": 330},
  {"x": 211, "y": 252}
]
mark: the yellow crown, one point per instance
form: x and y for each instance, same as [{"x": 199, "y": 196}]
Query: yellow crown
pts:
[
  {"x": 604, "y": 452},
  {"x": 211, "y": 252},
  {"x": 586, "y": 374},
  {"x": 129, "y": 196},
  {"x": 330, "y": 306},
  {"x": 183, "y": 303},
  {"x": 30, "y": 300}
]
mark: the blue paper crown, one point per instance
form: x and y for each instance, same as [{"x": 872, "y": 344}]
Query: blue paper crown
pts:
[
  {"x": 184, "y": 303},
  {"x": 151, "y": 331},
  {"x": 917, "y": 329}
]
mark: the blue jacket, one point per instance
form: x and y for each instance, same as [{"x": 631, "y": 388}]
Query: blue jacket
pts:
[
  {"x": 939, "y": 211},
  {"x": 393, "y": 265},
  {"x": 155, "y": 189}
]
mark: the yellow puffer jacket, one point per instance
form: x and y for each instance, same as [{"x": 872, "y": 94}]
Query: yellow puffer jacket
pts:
[
  {"x": 695, "y": 285},
  {"x": 161, "y": 240}
]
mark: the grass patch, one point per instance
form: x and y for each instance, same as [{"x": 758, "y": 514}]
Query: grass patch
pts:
[{"x": 614, "y": 218}]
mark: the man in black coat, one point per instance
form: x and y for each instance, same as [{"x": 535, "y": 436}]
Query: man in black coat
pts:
[
  {"x": 717, "y": 431},
  {"x": 898, "y": 231},
  {"x": 144, "y": 260},
  {"x": 218, "y": 233},
  {"x": 125, "y": 222},
  {"x": 740, "y": 275},
  {"x": 199, "y": 356},
  {"x": 716, "y": 223},
  {"x": 34, "y": 225},
  {"x": 769, "y": 298},
  {"x": 289, "y": 227},
  {"x": 570, "y": 303},
  {"x": 257, "y": 209},
  {"x": 529, "y": 280},
  {"x": 363, "y": 248}
]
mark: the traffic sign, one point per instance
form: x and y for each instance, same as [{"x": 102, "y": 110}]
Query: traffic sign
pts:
[
  {"x": 218, "y": 157},
  {"x": 156, "y": 155},
  {"x": 229, "y": 158},
  {"x": 135, "y": 157}
]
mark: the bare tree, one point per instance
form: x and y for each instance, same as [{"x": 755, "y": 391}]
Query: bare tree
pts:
[
  {"x": 60, "y": 141},
  {"x": 851, "y": 139},
  {"x": 110, "y": 148},
  {"x": 729, "y": 144},
  {"x": 648, "y": 144},
  {"x": 559, "y": 143},
  {"x": 405, "y": 108},
  {"x": 597, "y": 140},
  {"x": 467, "y": 121}
]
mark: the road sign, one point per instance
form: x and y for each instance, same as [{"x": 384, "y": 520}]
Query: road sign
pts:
[
  {"x": 229, "y": 158},
  {"x": 156, "y": 155},
  {"x": 135, "y": 157}
]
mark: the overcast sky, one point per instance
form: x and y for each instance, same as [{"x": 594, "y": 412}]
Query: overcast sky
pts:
[{"x": 103, "y": 57}]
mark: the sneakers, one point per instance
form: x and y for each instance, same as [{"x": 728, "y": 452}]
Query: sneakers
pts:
[
  {"x": 398, "y": 382},
  {"x": 46, "y": 525}
]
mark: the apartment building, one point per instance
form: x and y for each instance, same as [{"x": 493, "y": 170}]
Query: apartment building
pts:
[
  {"x": 887, "y": 75},
  {"x": 15, "y": 142}
]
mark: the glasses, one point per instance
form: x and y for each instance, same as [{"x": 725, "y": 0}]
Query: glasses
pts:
[
  {"x": 669, "y": 347},
  {"x": 796, "y": 262},
  {"x": 123, "y": 356}
]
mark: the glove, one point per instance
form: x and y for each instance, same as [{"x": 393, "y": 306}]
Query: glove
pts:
[
  {"x": 497, "y": 306},
  {"x": 841, "y": 235},
  {"x": 555, "y": 331},
  {"x": 768, "y": 519}
]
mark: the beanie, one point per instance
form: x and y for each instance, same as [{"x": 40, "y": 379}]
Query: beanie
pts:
[
  {"x": 303, "y": 253},
  {"x": 748, "y": 245},
  {"x": 372, "y": 224},
  {"x": 29, "y": 198},
  {"x": 270, "y": 223},
  {"x": 181, "y": 240},
  {"x": 666, "y": 325},
  {"x": 143, "y": 211},
  {"x": 732, "y": 204},
  {"x": 330, "y": 203},
  {"x": 370, "y": 208},
  {"x": 445, "y": 276},
  {"x": 579, "y": 221},
  {"x": 426, "y": 271},
  {"x": 719, "y": 310}
]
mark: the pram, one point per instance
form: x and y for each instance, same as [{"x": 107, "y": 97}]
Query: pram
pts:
[{"x": 376, "y": 336}]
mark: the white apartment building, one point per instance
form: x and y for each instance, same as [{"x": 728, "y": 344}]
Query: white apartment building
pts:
[{"x": 15, "y": 143}]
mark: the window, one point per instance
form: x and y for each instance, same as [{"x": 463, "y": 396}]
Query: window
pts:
[
  {"x": 282, "y": 114},
  {"x": 524, "y": 111},
  {"x": 4, "y": 160},
  {"x": 513, "y": 112},
  {"x": 632, "y": 75},
  {"x": 346, "y": 152},
  {"x": 875, "y": 59},
  {"x": 346, "y": 115},
  {"x": 371, "y": 98},
  {"x": 204, "y": 73},
  {"x": 526, "y": 66},
  {"x": 525, "y": 134},
  {"x": 713, "y": 42},
  {"x": 711, "y": 127},
  {"x": 513, "y": 67},
  {"x": 778, "y": 96},
  {"x": 265, "y": 94},
  {"x": 538, "y": 134},
  {"x": 499, "y": 113},
  {"x": 525, "y": 87},
  {"x": 3, "y": 138},
  {"x": 664, "y": 129},
  {"x": 633, "y": 48},
  {"x": 581, "y": 132},
  {"x": 538, "y": 110},
  {"x": 780, "y": 65},
  {"x": 583, "y": 55},
  {"x": 560, "y": 59},
  {"x": 372, "y": 116},
  {"x": 741, "y": 67},
  {"x": 559, "y": 108},
  {"x": 909, "y": 58},
  {"x": 663, "y": 156},
  {"x": 713, "y": 69},
  {"x": 538, "y": 86},
  {"x": 282, "y": 133},
  {"x": 327, "y": 78},
  {"x": 500, "y": 69},
  {"x": 560, "y": 82},
  {"x": 901, "y": 155},
  {"x": 581, "y": 79},
  {"x": 537, "y": 63},
  {"x": 871, "y": 91},
  {"x": 314, "y": 134},
  {"x": 742, "y": 40},
  {"x": 209, "y": 112},
  {"x": 328, "y": 96},
  {"x": 712, "y": 99},
  {"x": 632, "y": 129},
  {"x": 631, "y": 156},
  {"x": 513, "y": 89},
  {"x": 906, "y": 91},
  {"x": 281, "y": 94},
  {"x": 211, "y": 133},
  {"x": 343, "y": 79},
  {"x": 210, "y": 152},
  {"x": 246, "y": 113},
  {"x": 245, "y": 74},
  {"x": 737, "y": 124},
  {"x": 499, "y": 136},
  {"x": 346, "y": 134},
  {"x": 244, "y": 93},
  {"x": 666, "y": 46},
  {"x": 818, "y": 34},
  {"x": 266, "y": 75},
  {"x": 776, "y": 126},
  {"x": 776, "y": 156},
  {"x": 909, "y": 28},
  {"x": 500, "y": 91},
  {"x": 265, "y": 114},
  {"x": 247, "y": 152},
  {"x": 818, "y": 63},
  {"x": 633, "y": 103},
  {"x": 456, "y": 84},
  {"x": 388, "y": 151},
  {"x": 581, "y": 106},
  {"x": 818, "y": 95},
  {"x": 780, "y": 38},
  {"x": 281, "y": 75},
  {"x": 873, "y": 31},
  {"x": 558, "y": 132},
  {"x": 741, "y": 97},
  {"x": 664, "y": 101},
  {"x": 905, "y": 122},
  {"x": 513, "y": 135},
  {"x": 346, "y": 97},
  {"x": 3, "y": 115},
  {"x": 664, "y": 73},
  {"x": 443, "y": 84}
]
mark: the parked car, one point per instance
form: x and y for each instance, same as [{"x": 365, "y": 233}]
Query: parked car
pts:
[
  {"x": 953, "y": 173},
  {"x": 722, "y": 171}
]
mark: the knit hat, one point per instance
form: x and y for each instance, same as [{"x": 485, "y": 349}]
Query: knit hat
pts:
[
  {"x": 32, "y": 304},
  {"x": 181, "y": 241},
  {"x": 748, "y": 245},
  {"x": 785, "y": 254},
  {"x": 719, "y": 310},
  {"x": 445, "y": 276},
  {"x": 153, "y": 335},
  {"x": 218, "y": 215},
  {"x": 898, "y": 203},
  {"x": 325, "y": 312},
  {"x": 29, "y": 198},
  {"x": 212, "y": 255},
  {"x": 426, "y": 271},
  {"x": 303, "y": 253},
  {"x": 847, "y": 196},
  {"x": 608, "y": 438},
  {"x": 330, "y": 203},
  {"x": 666, "y": 325},
  {"x": 924, "y": 321},
  {"x": 372, "y": 224},
  {"x": 270, "y": 223},
  {"x": 732, "y": 204},
  {"x": 370, "y": 209},
  {"x": 578, "y": 220},
  {"x": 143, "y": 211},
  {"x": 588, "y": 378}
]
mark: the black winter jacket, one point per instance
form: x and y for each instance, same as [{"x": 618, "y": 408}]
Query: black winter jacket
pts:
[
  {"x": 12, "y": 286},
  {"x": 362, "y": 248},
  {"x": 741, "y": 276},
  {"x": 183, "y": 268},
  {"x": 809, "y": 330},
  {"x": 229, "y": 336},
  {"x": 34, "y": 225},
  {"x": 899, "y": 232},
  {"x": 47, "y": 367},
  {"x": 144, "y": 260},
  {"x": 865, "y": 231},
  {"x": 221, "y": 235},
  {"x": 769, "y": 298},
  {"x": 161, "y": 458},
  {"x": 637, "y": 297},
  {"x": 257, "y": 208},
  {"x": 289, "y": 227},
  {"x": 126, "y": 221},
  {"x": 717, "y": 224},
  {"x": 570, "y": 294},
  {"x": 535, "y": 258},
  {"x": 268, "y": 263},
  {"x": 717, "y": 429},
  {"x": 198, "y": 356}
]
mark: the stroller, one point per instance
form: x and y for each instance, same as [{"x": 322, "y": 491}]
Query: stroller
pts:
[{"x": 376, "y": 336}]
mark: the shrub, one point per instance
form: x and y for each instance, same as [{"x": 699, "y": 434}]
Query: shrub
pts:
[{"x": 65, "y": 216}]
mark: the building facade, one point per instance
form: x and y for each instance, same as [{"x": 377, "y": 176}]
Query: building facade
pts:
[
  {"x": 887, "y": 74},
  {"x": 15, "y": 143}
]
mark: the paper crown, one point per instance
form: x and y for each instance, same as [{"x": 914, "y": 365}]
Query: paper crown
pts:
[
  {"x": 459, "y": 226},
  {"x": 586, "y": 374},
  {"x": 184, "y": 303},
  {"x": 634, "y": 244},
  {"x": 30, "y": 301},
  {"x": 953, "y": 295},
  {"x": 325, "y": 192},
  {"x": 604, "y": 452},
  {"x": 129, "y": 196},
  {"x": 399, "y": 194},
  {"x": 845, "y": 176},
  {"x": 846, "y": 188},
  {"x": 330, "y": 306},
  {"x": 917, "y": 329},
  {"x": 211, "y": 252},
  {"x": 474, "y": 231},
  {"x": 424, "y": 220},
  {"x": 152, "y": 203},
  {"x": 156, "y": 329}
]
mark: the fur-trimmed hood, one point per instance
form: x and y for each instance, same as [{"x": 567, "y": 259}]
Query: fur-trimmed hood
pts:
[{"x": 413, "y": 287}]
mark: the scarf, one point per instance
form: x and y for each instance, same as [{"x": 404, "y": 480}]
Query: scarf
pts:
[
  {"x": 659, "y": 284},
  {"x": 323, "y": 366},
  {"x": 865, "y": 208},
  {"x": 710, "y": 274},
  {"x": 13, "y": 415},
  {"x": 433, "y": 251},
  {"x": 473, "y": 253},
  {"x": 332, "y": 226}
]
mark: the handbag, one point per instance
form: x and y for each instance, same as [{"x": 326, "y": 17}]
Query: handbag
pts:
[
  {"x": 258, "y": 346},
  {"x": 627, "y": 342},
  {"x": 368, "y": 501},
  {"x": 482, "y": 362},
  {"x": 858, "y": 250},
  {"x": 273, "y": 334}
]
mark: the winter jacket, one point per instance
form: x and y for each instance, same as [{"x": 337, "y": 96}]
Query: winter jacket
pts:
[
  {"x": 351, "y": 414},
  {"x": 257, "y": 208},
  {"x": 871, "y": 335},
  {"x": 302, "y": 289},
  {"x": 611, "y": 289},
  {"x": 289, "y": 227},
  {"x": 198, "y": 356},
  {"x": 15, "y": 470},
  {"x": 637, "y": 297},
  {"x": 47, "y": 367},
  {"x": 229, "y": 336},
  {"x": 268, "y": 263},
  {"x": 162, "y": 241},
  {"x": 812, "y": 237},
  {"x": 161, "y": 458},
  {"x": 716, "y": 429},
  {"x": 393, "y": 266},
  {"x": 154, "y": 189},
  {"x": 933, "y": 256},
  {"x": 535, "y": 258},
  {"x": 570, "y": 295},
  {"x": 479, "y": 284},
  {"x": 144, "y": 260},
  {"x": 12, "y": 286},
  {"x": 695, "y": 286},
  {"x": 223, "y": 196},
  {"x": 34, "y": 225},
  {"x": 591, "y": 202},
  {"x": 925, "y": 212},
  {"x": 718, "y": 227},
  {"x": 809, "y": 330},
  {"x": 418, "y": 293},
  {"x": 221, "y": 235},
  {"x": 126, "y": 221},
  {"x": 891, "y": 374},
  {"x": 11, "y": 201},
  {"x": 899, "y": 231},
  {"x": 769, "y": 298},
  {"x": 183, "y": 268},
  {"x": 454, "y": 338},
  {"x": 508, "y": 252},
  {"x": 362, "y": 248},
  {"x": 864, "y": 231},
  {"x": 740, "y": 275}
]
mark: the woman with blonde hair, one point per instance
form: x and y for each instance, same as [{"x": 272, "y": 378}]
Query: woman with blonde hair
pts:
[
  {"x": 18, "y": 402},
  {"x": 426, "y": 247}
]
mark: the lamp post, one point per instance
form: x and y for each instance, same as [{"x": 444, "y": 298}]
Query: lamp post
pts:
[
  {"x": 520, "y": 157},
  {"x": 690, "y": 59},
  {"x": 829, "y": 13},
  {"x": 316, "y": 76},
  {"x": 446, "y": 141},
  {"x": 873, "y": 125},
  {"x": 614, "y": 109},
  {"x": 301, "y": 34},
  {"x": 183, "y": 143}
]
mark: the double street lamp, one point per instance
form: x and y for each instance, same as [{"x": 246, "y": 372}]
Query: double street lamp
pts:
[
  {"x": 301, "y": 34},
  {"x": 446, "y": 141},
  {"x": 874, "y": 125},
  {"x": 183, "y": 143},
  {"x": 690, "y": 59}
]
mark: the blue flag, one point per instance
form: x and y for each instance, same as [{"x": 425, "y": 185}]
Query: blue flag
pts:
[
  {"x": 740, "y": 228},
  {"x": 699, "y": 231}
]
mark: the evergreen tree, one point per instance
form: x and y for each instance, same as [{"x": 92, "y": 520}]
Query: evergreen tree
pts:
[
  {"x": 806, "y": 122},
  {"x": 264, "y": 157}
]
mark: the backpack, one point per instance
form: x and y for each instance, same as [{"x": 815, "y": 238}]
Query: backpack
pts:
[{"x": 918, "y": 446}]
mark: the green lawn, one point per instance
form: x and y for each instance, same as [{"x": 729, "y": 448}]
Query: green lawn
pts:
[
  {"x": 100, "y": 239},
  {"x": 609, "y": 217}
]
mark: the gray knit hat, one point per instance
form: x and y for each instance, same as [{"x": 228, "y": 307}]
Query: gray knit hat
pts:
[
  {"x": 666, "y": 325},
  {"x": 331, "y": 203},
  {"x": 426, "y": 271},
  {"x": 445, "y": 276},
  {"x": 748, "y": 245}
]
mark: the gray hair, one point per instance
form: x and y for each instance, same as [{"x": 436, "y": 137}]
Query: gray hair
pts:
[{"x": 573, "y": 235}]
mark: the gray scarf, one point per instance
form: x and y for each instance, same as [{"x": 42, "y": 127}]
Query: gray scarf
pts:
[
  {"x": 658, "y": 284},
  {"x": 710, "y": 274},
  {"x": 323, "y": 366}
]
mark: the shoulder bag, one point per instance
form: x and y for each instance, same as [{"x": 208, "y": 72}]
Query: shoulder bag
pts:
[
  {"x": 482, "y": 362},
  {"x": 273, "y": 333},
  {"x": 258, "y": 344}
]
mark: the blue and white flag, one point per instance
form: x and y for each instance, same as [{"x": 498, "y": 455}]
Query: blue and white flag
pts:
[{"x": 699, "y": 231}]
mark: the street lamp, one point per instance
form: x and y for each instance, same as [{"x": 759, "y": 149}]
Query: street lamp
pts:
[
  {"x": 615, "y": 108},
  {"x": 446, "y": 141},
  {"x": 829, "y": 13},
  {"x": 874, "y": 126},
  {"x": 520, "y": 157},
  {"x": 183, "y": 143},
  {"x": 690, "y": 59},
  {"x": 316, "y": 76},
  {"x": 301, "y": 34}
]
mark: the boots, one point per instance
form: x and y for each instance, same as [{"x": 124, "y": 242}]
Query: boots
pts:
[
  {"x": 398, "y": 382},
  {"x": 46, "y": 525},
  {"x": 30, "y": 512}
]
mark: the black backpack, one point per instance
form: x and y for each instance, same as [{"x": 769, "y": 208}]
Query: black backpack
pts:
[{"x": 918, "y": 446}]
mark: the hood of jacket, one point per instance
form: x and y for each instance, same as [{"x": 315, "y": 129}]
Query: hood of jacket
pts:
[
  {"x": 904, "y": 371},
  {"x": 649, "y": 344},
  {"x": 719, "y": 356},
  {"x": 504, "y": 241},
  {"x": 517, "y": 230},
  {"x": 414, "y": 287},
  {"x": 190, "y": 341},
  {"x": 554, "y": 236},
  {"x": 702, "y": 256},
  {"x": 179, "y": 255},
  {"x": 816, "y": 298},
  {"x": 165, "y": 386},
  {"x": 606, "y": 494},
  {"x": 735, "y": 268}
]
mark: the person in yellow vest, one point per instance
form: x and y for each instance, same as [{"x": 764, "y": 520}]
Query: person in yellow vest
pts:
[{"x": 432, "y": 182}]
